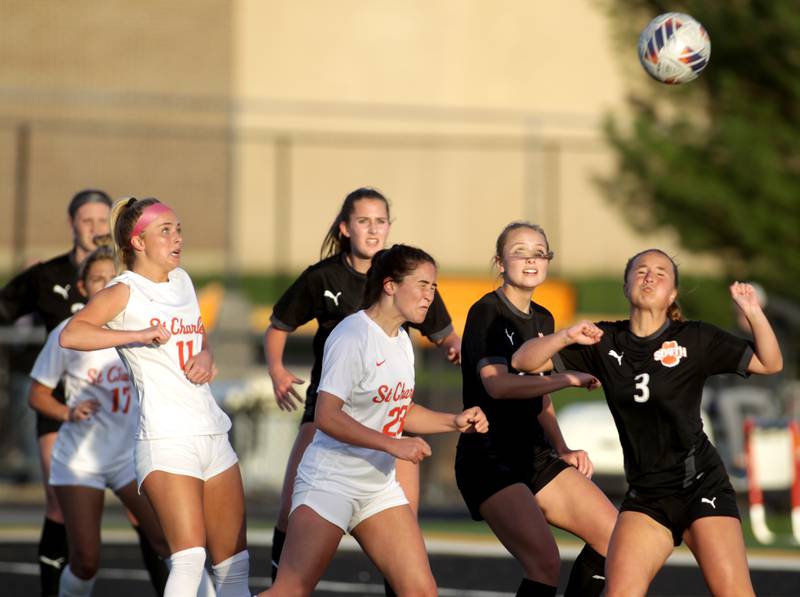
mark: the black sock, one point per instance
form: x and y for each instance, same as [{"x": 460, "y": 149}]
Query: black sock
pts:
[
  {"x": 388, "y": 589},
  {"x": 588, "y": 575},
  {"x": 278, "y": 539},
  {"x": 156, "y": 566},
  {"x": 52, "y": 556},
  {"x": 531, "y": 588}
]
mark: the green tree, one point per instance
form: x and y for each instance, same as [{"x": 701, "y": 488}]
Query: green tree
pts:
[{"x": 718, "y": 159}]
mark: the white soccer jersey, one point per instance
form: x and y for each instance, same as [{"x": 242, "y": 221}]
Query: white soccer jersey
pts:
[
  {"x": 373, "y": 374},
  {"x": 169, "y": 404},
  {"x": 105, "y": 440}
]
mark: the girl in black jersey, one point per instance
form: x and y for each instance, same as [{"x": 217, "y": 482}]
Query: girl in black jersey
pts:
[
  {"x": 653, "y": 368},
  {"x": 521, "y": 475},
  {"x": 329, "y": 291}
]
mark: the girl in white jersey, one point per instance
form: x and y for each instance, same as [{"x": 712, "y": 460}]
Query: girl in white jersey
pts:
[
  {"x": 346, "y": 479},
  {"x": 184, "y": 461},
  {"x": 94, "y": 447}
]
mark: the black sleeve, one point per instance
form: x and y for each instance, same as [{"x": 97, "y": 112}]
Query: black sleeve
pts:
[
  {"x": 576, "y": 357},
  {"x": 296, "y": 305},
  {"x": 484, "y": 342},
  {"x": 723, "y": 352},
  {"x": 18, "y": 297},
  {"x": 437, "y": 324}
]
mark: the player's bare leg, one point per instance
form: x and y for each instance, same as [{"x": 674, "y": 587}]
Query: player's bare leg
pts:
[
  {"x": 145, "y": 518},
  {"x": 573, "y": 503},
  {"x": 639, "y": 547},
  {"x": 301, "y": 443},
  {"x": 520, "y": 525},
  {"x": 393, "y": 541},
  {"x": 311, "y": 542},
  {"x": 718, "y": 545},
  {"x": 407, "y": 474},
  {"x": 83, "y": 510}
]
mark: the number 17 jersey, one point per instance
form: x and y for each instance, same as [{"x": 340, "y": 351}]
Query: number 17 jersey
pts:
[{"x": 653, "y": 386}]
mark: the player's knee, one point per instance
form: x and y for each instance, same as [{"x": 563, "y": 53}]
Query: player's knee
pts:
[{"x": 84, "y": 561}]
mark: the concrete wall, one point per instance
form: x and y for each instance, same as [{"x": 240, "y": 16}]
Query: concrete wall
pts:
[{"x": 255, "y": 118}]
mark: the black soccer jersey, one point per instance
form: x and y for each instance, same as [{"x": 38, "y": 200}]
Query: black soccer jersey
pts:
[
  {"x": 495, "y": 328},
  {"x": 47, "y": 289},
  {"x": 329, "y": 291},
  {"x": 653, "y": 386}
]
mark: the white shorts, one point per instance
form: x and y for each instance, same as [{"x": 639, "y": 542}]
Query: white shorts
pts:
[
  {"x": 200, "y": 456},
  {"x": 343, "y": 511},
  {"x": 114, "y": 477}
]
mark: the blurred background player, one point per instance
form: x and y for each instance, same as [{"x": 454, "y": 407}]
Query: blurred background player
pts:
[
  {"x": 346, "y": 479},
  {"x": 184, "y": 461},
  {"x": 329, "y": 291},
  {"x": 94, "y": 447},
  {"x": 653, "y": 368},
  {"x": 49, "y": 291},
  {"x": 521, "y": 475}
]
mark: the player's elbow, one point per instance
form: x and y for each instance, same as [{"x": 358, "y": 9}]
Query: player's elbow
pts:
[{"x": 66, "y": 339}]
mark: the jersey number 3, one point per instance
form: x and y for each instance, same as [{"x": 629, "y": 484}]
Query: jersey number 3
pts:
[{"x": 642, "y": 385}]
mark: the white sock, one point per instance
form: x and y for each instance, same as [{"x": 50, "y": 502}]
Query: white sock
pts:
[
  {"x": 185, "y": 572},
  {"x": 232, "y": 575},
  {"x": 206, "y": 585},
  {"x": 72, "y": 586}
]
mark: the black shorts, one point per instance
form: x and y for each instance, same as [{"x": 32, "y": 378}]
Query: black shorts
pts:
[
  {"x": 45, "y": 425},
  {"x": 482, "y": 471},
  {"x": 310, "y": 405},
  {"x": 711, "y": 495}
]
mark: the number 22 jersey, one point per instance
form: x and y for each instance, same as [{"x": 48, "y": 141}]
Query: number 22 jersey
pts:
[
  {"x": 169, "y": 404},
  {"x": 373, "y": 374},
  {"x": 653, "y": 386}
]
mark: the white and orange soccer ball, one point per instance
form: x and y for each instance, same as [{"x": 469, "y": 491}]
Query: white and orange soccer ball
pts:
[{"x": 674, "y": 48}]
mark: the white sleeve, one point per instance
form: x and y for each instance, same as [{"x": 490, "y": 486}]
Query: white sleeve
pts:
[
  {"x": 51, "y": 363},
  {"x": 342, "y": 363}
]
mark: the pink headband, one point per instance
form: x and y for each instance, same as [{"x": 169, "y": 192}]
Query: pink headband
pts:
[{"x": 149, "y": 213}]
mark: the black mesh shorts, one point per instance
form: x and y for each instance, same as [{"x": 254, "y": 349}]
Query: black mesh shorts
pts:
[
  {"x": 45, "y": 425},
  {"x": 711, "y": 495},
  {"x": 481, "y": 472}
]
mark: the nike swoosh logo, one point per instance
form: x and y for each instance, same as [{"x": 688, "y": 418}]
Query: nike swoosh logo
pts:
[{"x": 378, "y": 364}]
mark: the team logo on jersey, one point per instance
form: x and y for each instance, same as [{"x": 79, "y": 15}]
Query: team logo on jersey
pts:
[
  {"x": 76, "y": 307},
  {"x": 613, "y": 353},
  {"x": 670, "y": 353},
  {"x": 333, "y": 297},
  {"x": 510, "y": 336},
  {"x": 709, "y": 501},
  {"x": 62, "y": 290},
  {"x": 387, "y": 393}
]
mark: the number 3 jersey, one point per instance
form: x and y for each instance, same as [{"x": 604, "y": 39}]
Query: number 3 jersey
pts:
[
  {"x": 653, "y": 387},
  {"x": 169, "y": 404},
  {"x": 373, "y": 374},
  {"x": 105, "y": 440}
]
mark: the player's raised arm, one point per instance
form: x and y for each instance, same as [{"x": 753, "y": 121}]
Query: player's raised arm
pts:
[
  {"x": 85, "y": 330},
  {"x": 767, "y": 357},
  {"x": 534, "y": 354}
]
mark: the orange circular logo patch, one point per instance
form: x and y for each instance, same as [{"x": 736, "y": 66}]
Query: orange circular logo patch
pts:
[{"x": 670, "y": 353}]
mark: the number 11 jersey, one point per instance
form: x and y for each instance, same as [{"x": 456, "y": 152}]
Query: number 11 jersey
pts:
[{"x": 169, "y": 404}]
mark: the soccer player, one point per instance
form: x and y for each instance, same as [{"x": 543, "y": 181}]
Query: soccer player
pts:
[
  {"x": 94, "y": 447},
  {"x": 521, "y": 475},
  {"x": 653, "y": 367},
  {"x": 346, "y": 478},
  {"x": 49, "y": 290},
  {"x": 329, "y": 291},
  {"x": 184, "y": 461}
]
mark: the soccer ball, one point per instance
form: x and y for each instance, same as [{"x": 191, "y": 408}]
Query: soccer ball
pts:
[{"x": 674, "y": 48}]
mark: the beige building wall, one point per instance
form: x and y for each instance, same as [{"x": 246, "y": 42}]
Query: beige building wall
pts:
[{"x": 255, "y": 118}]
